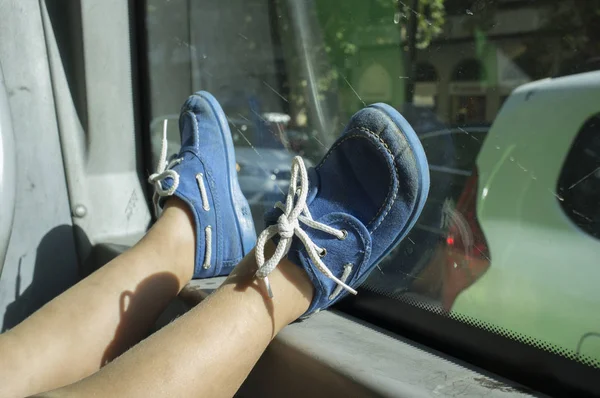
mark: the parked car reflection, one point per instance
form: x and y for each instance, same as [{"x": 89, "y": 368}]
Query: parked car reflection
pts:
[{"x": 451, "y": 152}]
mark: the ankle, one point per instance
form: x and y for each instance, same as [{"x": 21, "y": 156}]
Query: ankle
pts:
[
  {"x": 293, "y": 283},
  {"x": 173, "y": 237},
  {"x": 292, "y": 289}
]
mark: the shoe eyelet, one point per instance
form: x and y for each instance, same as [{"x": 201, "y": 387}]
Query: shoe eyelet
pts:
[
  {"x": 323, "y": 253},
  {"x": 344, "y": 234}
]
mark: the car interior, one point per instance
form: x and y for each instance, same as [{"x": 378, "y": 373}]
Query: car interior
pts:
[{"x": 494, "y": 291}]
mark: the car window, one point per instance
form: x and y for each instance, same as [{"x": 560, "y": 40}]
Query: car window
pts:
[
  {"x": 468, "y": 143},
  {"x": 496, "y": 90},
  {"x": 579, "y": 184},
  {"x": 454, "y": 147}
]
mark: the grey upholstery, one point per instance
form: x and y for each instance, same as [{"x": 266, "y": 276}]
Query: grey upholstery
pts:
[{"x": 7, "y": 172}]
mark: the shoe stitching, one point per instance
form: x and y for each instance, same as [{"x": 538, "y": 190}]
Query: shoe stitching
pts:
[
  {"x": 365, "y": 240},
  {"x": 210, "y": 181},
  {"x": 390, "y": 186},
  {"x": 366, "y": 253},
  {"x": 229, "y": 263},
  {"x": 196, "y": 130},
  {"x": 217, "y": 205},
  {"x": 203, "y": 193},
  {"x": 217, "y": 208},
  {"x": 397, "y": 173},
  {"x": 208, "y": 249},
  {"x": 344, "y": 219},
  {"x": 361, "y": 136},
  {"x": 199, "y": 215}
]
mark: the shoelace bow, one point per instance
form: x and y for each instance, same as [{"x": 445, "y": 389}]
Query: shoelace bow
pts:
[
  {"x": 162, "y": 172},
  {"x": 295, "y": 212}
]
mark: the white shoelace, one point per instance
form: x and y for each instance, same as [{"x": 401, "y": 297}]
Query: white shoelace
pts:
[
  {"x": 208, "y": 251},
  {"x": 288, "y": 225},
  {"x": 203, "y": 193},
  {"x": 163, "y": 171}
]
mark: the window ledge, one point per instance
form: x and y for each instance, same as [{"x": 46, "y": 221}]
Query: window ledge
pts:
[{"x": 332, "y": 353}]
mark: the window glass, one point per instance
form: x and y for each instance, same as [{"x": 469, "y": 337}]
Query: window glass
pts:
[
  {"x": 579, "y": 183},
  {"x": 498, "y": 92}
]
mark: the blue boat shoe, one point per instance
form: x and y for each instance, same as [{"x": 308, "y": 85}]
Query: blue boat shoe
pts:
[
  {"x": 343, "y": 216},
  {"x": 204, "y": 176}
]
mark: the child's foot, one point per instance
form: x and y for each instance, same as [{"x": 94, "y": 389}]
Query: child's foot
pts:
[
  {"x": 203, "y": 175},
  {"x": 342, "y": 217}
]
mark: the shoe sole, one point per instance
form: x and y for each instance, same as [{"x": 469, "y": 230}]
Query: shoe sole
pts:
[
  {"x": 417, "y": 149},
  {"x": 246, "y": 230}
]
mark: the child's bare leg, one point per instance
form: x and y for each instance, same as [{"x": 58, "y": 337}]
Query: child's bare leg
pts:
[
  {"x": 209, "y": 351},
  {"x": 204, "y": 231},
  {"x": 103, "y": 315},
  {"x": 376, "y": 164}
]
